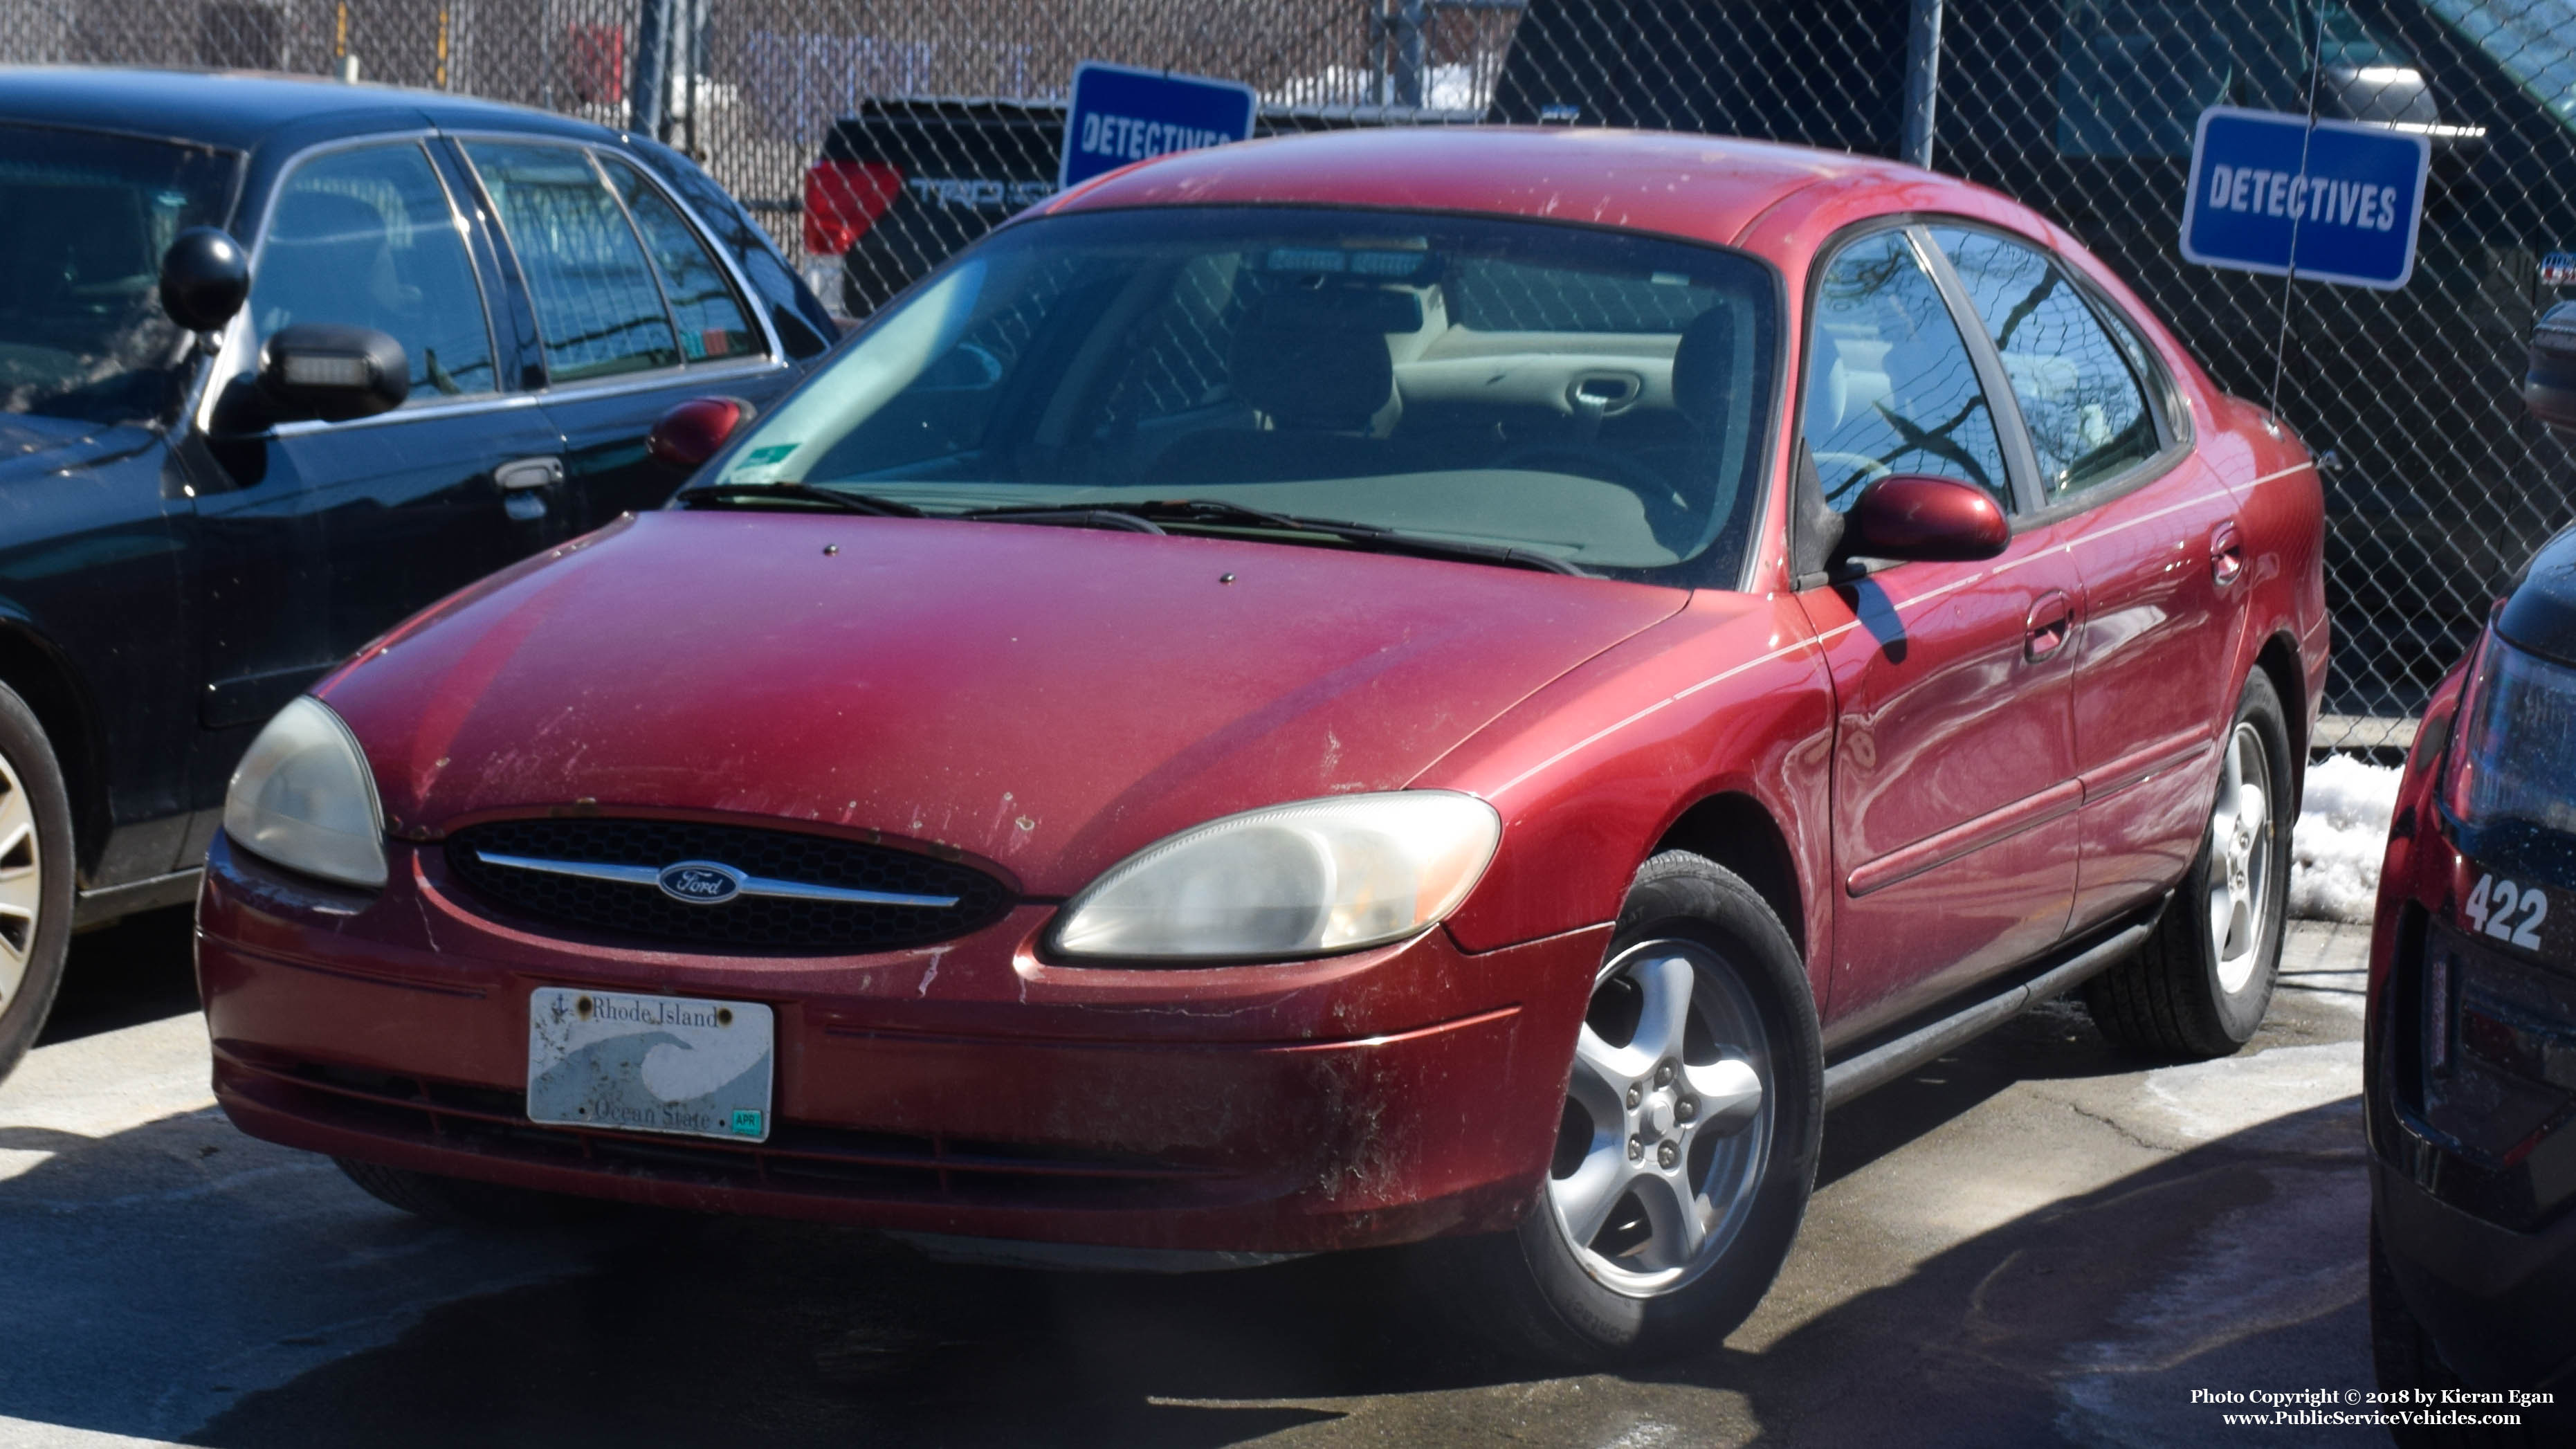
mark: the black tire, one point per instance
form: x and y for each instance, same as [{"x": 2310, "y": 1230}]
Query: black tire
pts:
[
  {"x": 2405, "y": 1359},
  {"x": 463, "y": 1202},
  {"x": 2169, "y": 1000},
  {"x": 1532, "y": 1292},
  {"x": 31, "y": 948}
]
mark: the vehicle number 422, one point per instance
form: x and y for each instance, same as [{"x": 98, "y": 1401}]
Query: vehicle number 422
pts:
[{"x": 2508, "y": 912}]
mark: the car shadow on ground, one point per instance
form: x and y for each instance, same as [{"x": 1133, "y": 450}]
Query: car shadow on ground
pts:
[
  {"x": 2108, "y": 1307},
  {"x": 140, "y": 969}
]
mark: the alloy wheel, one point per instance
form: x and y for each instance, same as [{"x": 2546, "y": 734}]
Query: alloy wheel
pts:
[
  {"x": 2240, "y": 873},
  {"x": 1668, "y": 1119},
  {"x": 22, "y": 882}
]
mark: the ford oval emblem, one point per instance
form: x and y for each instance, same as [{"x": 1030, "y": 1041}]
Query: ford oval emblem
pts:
[{"x": 700, "y": 882}]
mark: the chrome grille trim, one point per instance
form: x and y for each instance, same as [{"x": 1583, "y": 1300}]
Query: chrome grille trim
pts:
[{"x": 752, "y": 885}]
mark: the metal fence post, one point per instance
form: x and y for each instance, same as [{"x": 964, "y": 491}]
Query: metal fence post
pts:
[
  {"x": 1409, "y": 52},
  {"x": 652, "y": 91},
  {"x": 1922, "y": 82}
]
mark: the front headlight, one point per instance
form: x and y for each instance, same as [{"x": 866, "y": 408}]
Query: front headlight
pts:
[
  {"x": 1306, "y": 879},
  {"x": 2513, "y": 744},
  {"x": 305, "y": 799}
]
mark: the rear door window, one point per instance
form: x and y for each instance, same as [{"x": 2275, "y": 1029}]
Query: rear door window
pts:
[
  {"x": 2080, "y": 395},
  {"x": 1890, "y": 387},
  {"x": 367, "y": 237},
  {"x": 600, "y": 309},
  {"x": 709, "y": 315}
]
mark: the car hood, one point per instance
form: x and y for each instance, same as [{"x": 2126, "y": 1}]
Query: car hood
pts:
[
  {"x": 1046, "y": 699},
  {"x": 31, "y": 445}
]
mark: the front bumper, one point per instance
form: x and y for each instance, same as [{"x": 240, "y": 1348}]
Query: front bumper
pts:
[{"x": 969, "y": 1089}]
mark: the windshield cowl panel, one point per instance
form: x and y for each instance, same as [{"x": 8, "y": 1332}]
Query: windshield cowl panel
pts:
[
  {"x": 1534, "y": 394},
  {"x": 82, "y": 335}
]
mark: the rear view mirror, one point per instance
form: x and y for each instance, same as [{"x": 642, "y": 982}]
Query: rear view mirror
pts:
[
  {"x": 205, "y": 277},
  {"x": 2549, "y": 387},
  {"x": 334, "y": 373},
  {"x": 1917, "y": 516},
  {"x": 692, "y": 432}
]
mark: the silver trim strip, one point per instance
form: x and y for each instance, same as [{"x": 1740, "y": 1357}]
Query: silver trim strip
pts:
[{"x": 752, "y": 885}]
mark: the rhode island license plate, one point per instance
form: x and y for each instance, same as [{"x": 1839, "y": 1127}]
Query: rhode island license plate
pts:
[{"x": 649, "y": 1063}]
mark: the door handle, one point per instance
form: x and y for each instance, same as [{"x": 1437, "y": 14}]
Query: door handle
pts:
[
  {"x": 2050, "y": 625},
  {"x": 2226, "y": 554},
  {"x": 520, "y": 474}
]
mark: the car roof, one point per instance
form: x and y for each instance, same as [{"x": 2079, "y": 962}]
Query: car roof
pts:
[
  {"x": 236, "y": 110},
  {"x": 1707, "y": 187}
]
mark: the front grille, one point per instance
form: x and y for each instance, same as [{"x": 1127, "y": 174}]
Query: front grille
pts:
[{"x": 744, "y": 925}]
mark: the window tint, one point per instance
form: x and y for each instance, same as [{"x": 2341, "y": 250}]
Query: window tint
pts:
[
  {"x": 366, "y": 238},
  {"x": 2086, "y": 412},
  {"x": 710, "y": 317},
  {"x": 1491, "y": 295},
  {"x": 1890, "y": 388},
  {"x": 599, "y": 309}
]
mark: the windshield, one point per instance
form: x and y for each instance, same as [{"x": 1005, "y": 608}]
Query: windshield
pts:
[
  {"x": 81, "y": 330},
  {"x": 1593, "y": 397}
]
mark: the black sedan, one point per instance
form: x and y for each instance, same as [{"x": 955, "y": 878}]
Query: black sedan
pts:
[
  {"x": 280, "y": 363},
  {"x": 2470, "y": 1072}
]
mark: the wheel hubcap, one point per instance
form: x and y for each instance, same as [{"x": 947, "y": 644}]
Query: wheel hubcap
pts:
[
  {"x": 22, "y": 882},
  {"x": 2241, "y": 844},
  {"x": 1667, "y": 1119}
]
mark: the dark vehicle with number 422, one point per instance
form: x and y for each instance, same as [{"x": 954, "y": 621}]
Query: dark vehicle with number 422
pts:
[
  {"x": 280, "y": 362},
  {"x": 2471, "y": 1068}
]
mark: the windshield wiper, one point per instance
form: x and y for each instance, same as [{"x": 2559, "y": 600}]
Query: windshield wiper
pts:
[
  {"x": 738, "y": 495},
  {"x": 1218, "y": 512}
]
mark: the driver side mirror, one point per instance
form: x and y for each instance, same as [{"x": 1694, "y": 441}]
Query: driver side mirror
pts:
[
  {"x": 2549, "y": 387},
  {"x": 205, "y": 278},
  {"x": 1918, "y": 516},
  {"x": 334, "y": 373}
]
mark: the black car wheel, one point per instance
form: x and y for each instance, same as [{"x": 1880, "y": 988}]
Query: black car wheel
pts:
[
  {"x": 2200, "y": 985},
  {"x": 1687, "y": 1147},
  {"x": 35, "y": 878}
]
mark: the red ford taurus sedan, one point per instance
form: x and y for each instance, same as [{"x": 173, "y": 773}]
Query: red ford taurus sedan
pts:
[{"x": 1329, "y": 692}]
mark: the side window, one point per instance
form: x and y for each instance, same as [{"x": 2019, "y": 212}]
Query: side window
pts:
[
  {"x": 366, "y": 238},
  {"x": 2079, "y": 395},
  {"x": 599, "y": 308},
  {"x": 710, "y": 316},
  {"x": 1890, "y": 388}
]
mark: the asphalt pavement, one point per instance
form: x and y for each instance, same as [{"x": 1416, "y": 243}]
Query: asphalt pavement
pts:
[{"x": 2036, "y": 1240}]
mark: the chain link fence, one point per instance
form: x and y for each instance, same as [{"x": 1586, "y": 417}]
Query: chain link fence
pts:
[{"x": 2438, "y": 488}]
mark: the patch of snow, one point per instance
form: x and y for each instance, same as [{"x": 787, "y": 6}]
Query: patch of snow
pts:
[{"x": 2341, "y": 834}]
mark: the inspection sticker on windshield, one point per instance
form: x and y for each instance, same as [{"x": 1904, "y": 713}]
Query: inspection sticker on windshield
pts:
[{"x": 649, "y": 1063}]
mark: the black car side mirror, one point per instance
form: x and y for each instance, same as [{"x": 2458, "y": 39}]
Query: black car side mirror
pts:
[
  {"x": 205, "y": 278},
  {"x": 334, "y": 373},
  {"x": 2549, "y": 386},
  {"x": 1917, "y": 516}
]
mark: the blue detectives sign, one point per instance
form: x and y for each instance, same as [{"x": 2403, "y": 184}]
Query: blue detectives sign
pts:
[
  {"x": 2336, "y": 202},
  {"x": 1120, "y": 115}
]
